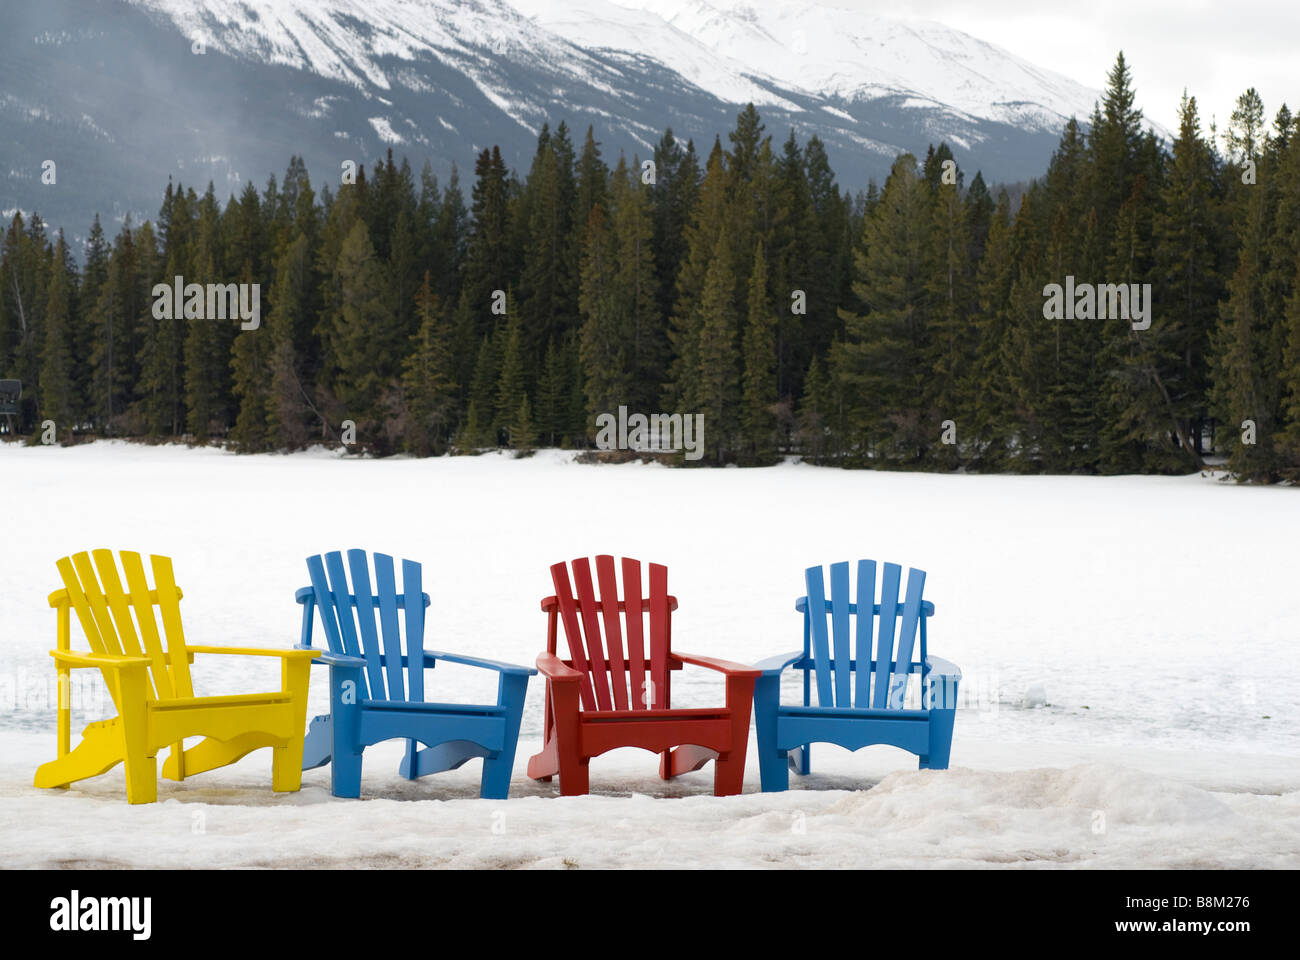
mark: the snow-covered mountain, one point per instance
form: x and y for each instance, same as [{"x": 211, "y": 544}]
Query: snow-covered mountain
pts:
[
  {"x": 124, "y": 93},
  {"x": 820, "y": 51}
]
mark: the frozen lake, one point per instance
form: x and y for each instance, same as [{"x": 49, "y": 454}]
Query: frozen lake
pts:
[{"x": 1128, "y": 647}]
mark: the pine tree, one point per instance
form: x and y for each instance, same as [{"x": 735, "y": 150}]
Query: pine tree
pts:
[
  {"x": 637, "y": 286},
  {"x": 1288, "y": 439},
  {"x": 287, "y": 405},
  {"x": 1187, "y": 270},
  {"x": 207, "y": 340},
  {"x": 488, "y": 255},
  {"x": 367, "y": 345},
  {"x": 551, "y": 419},
  {"x": 430, "y": 389},
  {"x": 58, "y": 396},
  {"x": 511, "y": 384},
  {"x": 1241, "y": 393},
  {"x": 719, "y": 367},
  {"x": 759, "y": 398},
  {"x": 813, "y": 414},
  {"x": 992, "y": 407},
  {"x": 1030, "y": 345},
  {"x": 794, "y": 264},
  {"x": 880, "y": 366},
  {"x": 547, "y": 285},
  {"x": 951, "y": 332},
  {"x": 711, "y": 217},
  {"x": 472, "y": 434},
  {"x": 673, "y": 197},
  {"x": 604, "y": 345},
  {"x": 449, "y": 241},
  {"x": 522, "y": 433},
  {"x": 161, "y": 386},
  {"x": 483, "y": 393},
  {"x": 250, "y": 365}
]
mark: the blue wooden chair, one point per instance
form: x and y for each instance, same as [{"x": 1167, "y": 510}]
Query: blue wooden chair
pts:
[
  {"x": 372, "y": 697},
  {"x": 859, "y": 699}
]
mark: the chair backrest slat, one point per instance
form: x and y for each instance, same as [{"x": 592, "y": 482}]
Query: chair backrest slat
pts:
[
  {"x": 169, "y": 608},
  {"x": 885, "y": 636},
  {"x": 342, "y": 595},
  {"x": 81, "y": 606},
  {"x": 413, "y": 586},
  {"x": 591, "y": 628},
  {"x": 906, "y": 635},
  {"x": 820, "y": 642},
  {"x": 116, "y": 599},
  {"x": 640, "y": 693},
  {"x": 613, "y": 632},
  {"x": 661, "y": 627},
  {"x": 361, "y": 598},
  {"x": 865, "y": 623},
  {"x": 840, "y": 630},
  {"x": 323, "y": 601},
  {"x": 139, "y": 587},
  {"x": 94, "y": 595},
  {"x": 386, "y": 591},
  {"x": 573, "y": 633}
]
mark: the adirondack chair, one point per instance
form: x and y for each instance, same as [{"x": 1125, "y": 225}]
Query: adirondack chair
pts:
[
  {"x": 151, "y": 686},
  {"x": 607, "y": 695},
  {"x": 371, "y": 697},
  {"x": 859, "y": 699}
]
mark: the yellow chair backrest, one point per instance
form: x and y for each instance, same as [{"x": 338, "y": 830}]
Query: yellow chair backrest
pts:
[{"x": 104, "y": 610}]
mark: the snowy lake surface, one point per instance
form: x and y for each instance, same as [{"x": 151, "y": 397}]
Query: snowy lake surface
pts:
[{"x": 1131, "y": 673}]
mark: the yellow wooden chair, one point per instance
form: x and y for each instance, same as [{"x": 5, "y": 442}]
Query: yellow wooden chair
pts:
[{"x": 151, "y": 686}]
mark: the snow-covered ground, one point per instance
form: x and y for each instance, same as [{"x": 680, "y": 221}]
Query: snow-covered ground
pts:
[{"x": 1131, "y": 679}]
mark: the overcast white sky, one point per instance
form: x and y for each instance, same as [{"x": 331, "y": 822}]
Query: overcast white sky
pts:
[{"x": 1214, "y": 48}]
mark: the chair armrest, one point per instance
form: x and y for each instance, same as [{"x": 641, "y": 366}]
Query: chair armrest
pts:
[
  {"x": 722, "y": 666},
  {"x": 943, "y": 668},
  {"x": 553, "y": 668},
  {"x": 497, "y": 665},
  {"x": 338, "y": 659},
  {"x": 773, "y": 666},
  {"x": 113, "y": 660},
  {"x": 297, "y": 652}
]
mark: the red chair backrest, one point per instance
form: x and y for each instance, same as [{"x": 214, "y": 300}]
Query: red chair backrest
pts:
[{"x": 609, "y": 650}]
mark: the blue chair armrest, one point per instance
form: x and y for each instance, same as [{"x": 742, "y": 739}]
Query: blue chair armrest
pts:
[
  {"x": 497, "y": 665},
  {"x": 303, "y": 595},
  {"x": 773, "y": 666}
]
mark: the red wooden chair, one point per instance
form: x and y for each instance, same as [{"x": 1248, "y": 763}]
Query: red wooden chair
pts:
[{"x": 610, "y": 695}]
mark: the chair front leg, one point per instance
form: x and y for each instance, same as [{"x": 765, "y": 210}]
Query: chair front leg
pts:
[
  {"x": 345, "y": 712},
  {"x": 286, "y": 759},
  {"x": 512, "y": 688},
  {"x": 729, "y": 771},
  {"x": 774, "y": 774},
  {"x": 140, "y": 761},
  {"x": 572, "y": 766}
]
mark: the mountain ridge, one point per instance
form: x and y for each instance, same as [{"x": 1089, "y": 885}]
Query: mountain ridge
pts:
[{"x": 126, "y": 93}]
